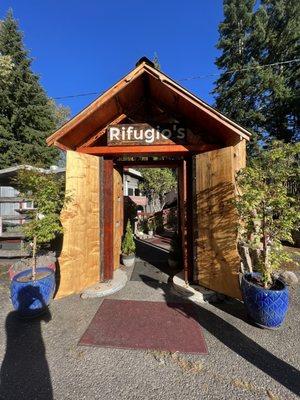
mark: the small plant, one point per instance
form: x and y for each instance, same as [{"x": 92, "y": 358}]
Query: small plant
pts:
[
  {"x": 143, "y": 225},
  {"x": 46, "y": 192},
  {"x": 268, "y": 212},
  {"x": 151, "y": 224},
  {"x": 128, "y": 244}
]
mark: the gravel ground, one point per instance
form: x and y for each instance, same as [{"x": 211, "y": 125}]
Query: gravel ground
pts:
[{"x": 43, "y": 361}]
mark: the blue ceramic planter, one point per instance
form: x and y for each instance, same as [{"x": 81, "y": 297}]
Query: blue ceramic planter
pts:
[
  {"x": 267, "y": 308},
  {"x": 31, "y": 298}
]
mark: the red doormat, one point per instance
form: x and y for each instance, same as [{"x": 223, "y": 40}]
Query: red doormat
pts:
[{"x": 130, "y": 324}]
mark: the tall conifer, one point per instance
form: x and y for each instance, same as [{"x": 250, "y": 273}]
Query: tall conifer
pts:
[
  {"x": 263, "y": 99},
  {"x": 279, "y": 20},
  {"x": 234, "y": 90},
  {"x": 27, "y": 115}
]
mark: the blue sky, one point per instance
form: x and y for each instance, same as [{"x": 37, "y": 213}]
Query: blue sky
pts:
[{"x": 86, "y": 46}]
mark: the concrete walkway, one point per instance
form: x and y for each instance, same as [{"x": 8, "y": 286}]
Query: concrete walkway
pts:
[{"x": 41, "y": 359}]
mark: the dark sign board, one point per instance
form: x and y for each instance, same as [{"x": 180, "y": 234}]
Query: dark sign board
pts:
[{"x": 145, "y": 134}]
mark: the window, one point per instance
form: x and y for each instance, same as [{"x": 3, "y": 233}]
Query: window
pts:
[
  {"x": 136, "y": 192},
  {"x": 130, "y": 192}
]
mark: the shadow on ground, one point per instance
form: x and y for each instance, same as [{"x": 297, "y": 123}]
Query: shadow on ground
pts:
[
  {"x": 235, "y": 340},
  {"x": 152, "y": 263},
  {"x": 24, "y": 371}
]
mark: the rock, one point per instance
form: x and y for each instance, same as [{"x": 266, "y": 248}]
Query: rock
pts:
[{"x": 289, "y": 277}]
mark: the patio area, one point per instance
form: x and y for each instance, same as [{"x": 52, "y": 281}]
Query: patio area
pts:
[{"x": 42, "y": 359}]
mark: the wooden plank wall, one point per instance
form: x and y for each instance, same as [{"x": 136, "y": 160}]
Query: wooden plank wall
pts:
[
  {"x": 79, "y": 262},
  {"x": 217, "y": 261}
]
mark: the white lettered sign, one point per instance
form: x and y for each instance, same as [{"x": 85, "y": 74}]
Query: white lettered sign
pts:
[{"x": 145, "y": 134}]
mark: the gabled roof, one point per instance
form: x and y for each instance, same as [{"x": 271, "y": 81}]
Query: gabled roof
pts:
[{"x": 145, "y": 83}]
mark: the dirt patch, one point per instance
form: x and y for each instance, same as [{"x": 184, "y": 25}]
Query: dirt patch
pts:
[
  {"x": 165, "y": 357},
  {"x": 294, "y": 265}
]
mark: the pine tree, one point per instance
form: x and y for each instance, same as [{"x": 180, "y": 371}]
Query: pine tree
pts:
[
  {"x": 279, "y": 20},
  {"x": 263, "y": 99},
  {"x": 27, "y": 116},
  {"x": 156, "y": 61},
  {"x": 235, "y": 91},
  {"x": 6, "y": 67}
]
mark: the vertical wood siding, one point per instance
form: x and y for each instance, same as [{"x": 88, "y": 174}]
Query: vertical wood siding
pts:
[
  {"x": 79, "y": 262},
  {"x": 217, "y": 261}
]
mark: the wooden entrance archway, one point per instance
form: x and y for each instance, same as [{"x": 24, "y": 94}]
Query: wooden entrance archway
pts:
[
  {"x": 183, "y": 166},
  {"x": 212, "y": 153}
]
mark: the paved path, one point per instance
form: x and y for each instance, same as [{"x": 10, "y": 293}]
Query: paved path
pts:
[
  {"x": 159, "y": 241},
  {"x": 42, "y": 360}
]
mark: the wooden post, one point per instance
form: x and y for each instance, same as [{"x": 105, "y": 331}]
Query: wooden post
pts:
[
  {"x": 182, "y": 186},
  {"x": 108, "y": 231},
  {"x": 189, "y": 218}
]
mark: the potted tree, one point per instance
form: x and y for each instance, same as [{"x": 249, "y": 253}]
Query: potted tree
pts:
[
  {"x": 32, "y": 289},
  {"x": 128, "y": 247},
  {"x": 175, "y": 255},
  {"x": 268, "y": 214}
]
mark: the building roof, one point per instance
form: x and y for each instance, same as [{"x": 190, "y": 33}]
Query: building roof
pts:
[
  {"x": 132, "y": 171},
  {"x": 7, "y": 175},
  {"x": 139, "y": 200},
  {"x": 145, "y": 82}
]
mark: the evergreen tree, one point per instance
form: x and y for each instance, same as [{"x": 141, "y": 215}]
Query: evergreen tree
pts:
[
  {"x": 263, "y": 99},
  {"x": 235, "y": 91},
  {"x": 278, "y": 22},
  {"x": 6, "y": 67},
  {"x": 27, "y": 116},
  {"x": 156, "y": 61}
]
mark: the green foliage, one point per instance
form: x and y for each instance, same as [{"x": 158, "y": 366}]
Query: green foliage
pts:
[
  {"x": 267, "y": 209},
  {"x": 151, "y": 224},
  {"x": 157, "y": 182},
  {"x": 264, "y": 100},
  {"x": 143, "y": 225},
  {"x": 159, "y": 222},
  {"x": 128, "y": 244},
  {"x": 6, "y": 67},
  {"x": 27, "y": 115},
  {"x": 46, "y": 191},
  {"x": 156, "y": 61}
]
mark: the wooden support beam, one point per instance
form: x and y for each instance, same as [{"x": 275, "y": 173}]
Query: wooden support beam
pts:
[
  {"x": 149, "y": 163},
  {"x": 108, "y": 229},
  {"x": 147, "y": 150},
  {"x": 182, "y": 192},
  {"x": 189, "y": 218},
  {"x": 61, "y": 146},
  {"x": 98, "y": 133}
]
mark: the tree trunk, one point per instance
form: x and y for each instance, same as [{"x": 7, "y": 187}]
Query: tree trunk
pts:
[
  {"x": 266, "y": 260},
  {"x": 34, "y": 259}
]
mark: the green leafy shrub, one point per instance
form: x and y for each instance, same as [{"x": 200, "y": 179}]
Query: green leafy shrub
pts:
[
  {"x": 143, "y": 225},
  {"x": 268, "y": 211},
  {"x": 128, "y": 244},
  {"x": 46, "y": 192},
  {"x": 151, "y": 224}
]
